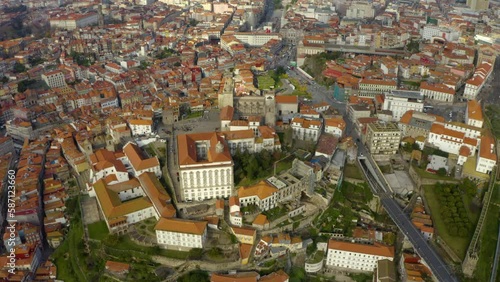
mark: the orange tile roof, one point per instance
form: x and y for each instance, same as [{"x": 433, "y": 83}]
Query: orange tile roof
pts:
[
  {"x": 238, "y": 134},
  {"x": 234, "y": 201},
  {"x": 227, "y": 113},
  {"x": 406, "y": 117},
  {"x": 157, "y": 194},
  {"x": 243, "y": 231},
  {"x": 260, "y": 220},
  {"x": 464, "y": 151},
  {"x": 111, "y": 205},
  {"x": 474, "y": 110},
  {"x": 137, "y": 158},
  {"x": 140, "y": 122},
  {"x": 238, "y": 277},
  {"x": 117, "y": 266},
  {"x": 219, "y": 204},
  {"x": 438, "y": 88},
  {"x": 245, "y": 250},
  {"x": 262, "y": 190},
  {"x": 375, "y": 249},
  {"x": 335, "y": 122},
  {"x": 181, "y": 226},
  {"x": 278, "y": 276},
  {"x": 287, "y": 99},
  {"x": 186, "y": 148},
  {"x": 486, "y": 148}
]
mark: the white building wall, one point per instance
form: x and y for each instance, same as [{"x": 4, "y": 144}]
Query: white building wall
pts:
[
  {"x": 206, "y": 183},
  {"x": 181, "y": 240},
  {"x": 355, "y": 261}
]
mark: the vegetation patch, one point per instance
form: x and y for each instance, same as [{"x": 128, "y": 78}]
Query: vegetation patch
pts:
[
  {"x": 488, "y": 238},
  {"x": 98, "y": 230},
  {"x": 353, "y": 171},
  {"x": 453, "y": 220}
]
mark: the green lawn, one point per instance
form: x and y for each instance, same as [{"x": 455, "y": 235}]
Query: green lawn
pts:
[
  {"x": 424, "y": 174},
  {"x": 124, "y": 243},
  {"x": 265, "y": 82},
  {"x": 195, "y": 115},
  {"x": 98, "y": 230},
  {"x": 280, "y": 166},
  {"x": 353, "y": 171},
  {"x": 318, "y": 256},
  {"x": 275, "y": 213},
  {"x": 69, "y": 255},
  {"x": 488, "y": 239},
  {"x": 458, "y": 244}
]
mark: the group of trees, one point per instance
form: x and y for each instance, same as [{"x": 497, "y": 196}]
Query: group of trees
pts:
[
  {"x": 315, "y": 65},
  {"x": 253, "y": 166},
  {"x": 453, "y": 211},
  {"x": 165, "y": 53},
  {"x": 82, "y": 59}
]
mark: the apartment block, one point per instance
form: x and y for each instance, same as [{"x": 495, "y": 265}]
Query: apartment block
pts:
[
  {"x": 401, "y": 101},
  {"x": 382, "y": 138}
]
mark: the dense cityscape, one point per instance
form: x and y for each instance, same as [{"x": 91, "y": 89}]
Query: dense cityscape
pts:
[{"x": 268, "y": 140}]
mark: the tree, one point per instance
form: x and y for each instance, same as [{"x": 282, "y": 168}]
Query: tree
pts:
[
  {"x": 441, "y": 171},
  {"x": 193, "y": 22},
  {"x": 4, "y": 79},
  {"x": 407, "y": 147},
  {"x": 19, "y": 68},
  {"x": 195, "y": 253},
  {"x": 195, "y": 276}
]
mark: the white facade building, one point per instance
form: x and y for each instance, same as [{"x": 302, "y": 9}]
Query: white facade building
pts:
[
  {"x": 487, "y": 157},
  {"x": 474, "y": 85},
  {"x": 137, "y": 163},
  {"x": 335, "y": 126},
  {"x": 373, "y": 87},
  {"x": 73, "y": 21},
  {"x": 256, "y": 39},
  {"x": 140, "y": 127},
  {"x": 438, "y": 92},
  {"x": 451, "y": 137},
  {"x": 360, "y": 10},
  {"x": 383, "y": 138},
  {"x": 401, "y": 101},
  {"x": 474, "y": 114},
  {"x": 430, "y": 31},
  {"x": 306, "y": 129},
  {"x": 181, "y": 234},
  {"x": 54, "y": 79},
  {"x": 205, "y": 166},
  {"x": 356, "y": 256}
]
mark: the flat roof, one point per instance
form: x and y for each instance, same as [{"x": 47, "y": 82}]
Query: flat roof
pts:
[
  {"x": 276, "y": 182},
  {"x": 406, "y": 94}
]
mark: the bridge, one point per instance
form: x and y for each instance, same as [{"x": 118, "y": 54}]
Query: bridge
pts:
[
  {"x": 382, "y": 189},
  {"x": 364, "y": 50}
]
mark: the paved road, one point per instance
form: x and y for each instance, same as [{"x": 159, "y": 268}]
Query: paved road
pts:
[
  {"x": 319, "y": 92},
  {"x": 437, "y": 265},
  {"x": 439, "y": 269}
]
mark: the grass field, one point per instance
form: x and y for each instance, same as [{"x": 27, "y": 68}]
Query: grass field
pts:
[
  {"x": 459, "y": 245},
  {"x": 424, "y": 174},
  {"x": 353, "y": 171},
  {"x": 265, "y": 82},
  {"x": 488, "y": 239},
  {"x": 98, "y": 230}
]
